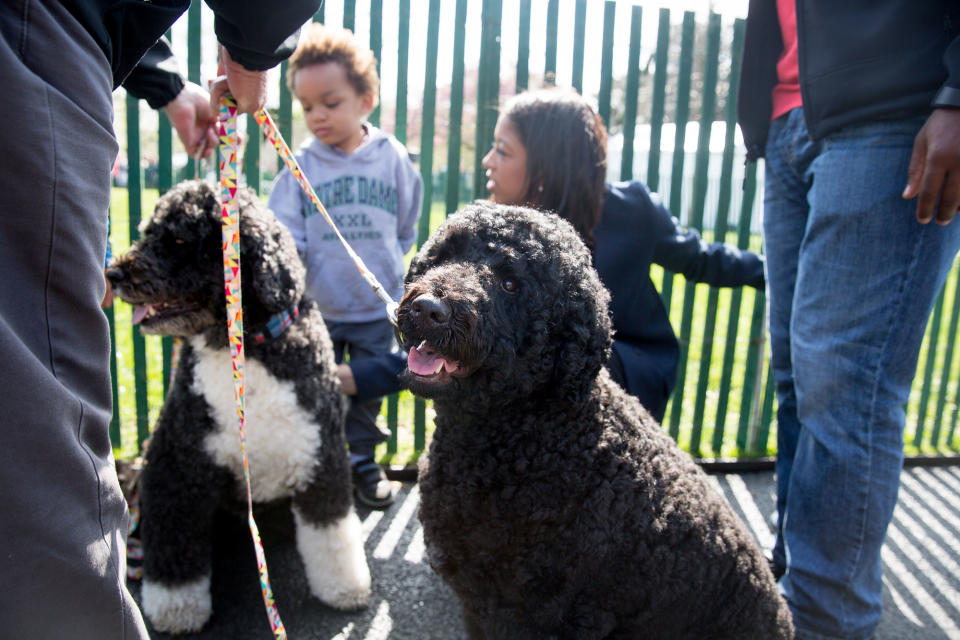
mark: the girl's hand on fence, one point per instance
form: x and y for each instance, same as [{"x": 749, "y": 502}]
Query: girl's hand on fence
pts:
[
  {"x": 934, "y": 172},
  {"x": 248, "y": 88},
  {"x": 191, "y": 116}
]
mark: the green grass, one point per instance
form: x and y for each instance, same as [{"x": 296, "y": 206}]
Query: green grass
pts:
[{"x": 406, "y": 420}]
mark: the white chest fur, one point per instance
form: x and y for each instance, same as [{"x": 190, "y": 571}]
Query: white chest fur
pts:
[{"x": 282, "y": 439}]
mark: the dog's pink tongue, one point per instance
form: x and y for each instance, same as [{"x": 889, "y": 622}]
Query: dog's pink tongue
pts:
[
  {"x": 424, "y": 361},
  {"x": 139, "y": 313}
]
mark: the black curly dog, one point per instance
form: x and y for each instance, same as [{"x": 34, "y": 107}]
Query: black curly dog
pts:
[
  {"x": 294, "y": 406},
  {"x": 551, "y": 502}
]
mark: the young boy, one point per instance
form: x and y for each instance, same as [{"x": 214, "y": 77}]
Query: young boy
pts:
[{"x": 365, "y": 179}]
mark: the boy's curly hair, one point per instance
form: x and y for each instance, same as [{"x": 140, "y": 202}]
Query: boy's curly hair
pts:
[{"x": 320, "y": 44}]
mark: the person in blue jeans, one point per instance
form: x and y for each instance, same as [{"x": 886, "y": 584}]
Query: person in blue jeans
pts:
[{"x": 856, "y": 113}]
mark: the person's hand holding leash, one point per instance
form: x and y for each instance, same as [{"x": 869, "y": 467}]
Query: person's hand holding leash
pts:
[
  {"x": 249, "y": 88},
  {"x": 191, "y": 115},
  {"x": 934, "y": 172}
]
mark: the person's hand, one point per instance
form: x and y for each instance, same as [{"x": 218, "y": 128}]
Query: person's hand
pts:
[
  {"x": 934, "y": 171},
  {"x": 248, "y": 88},
  {"x": 191, "y": 116},
  {"x": 347, "y": 381},
  {"x": 107, "y": 301}
]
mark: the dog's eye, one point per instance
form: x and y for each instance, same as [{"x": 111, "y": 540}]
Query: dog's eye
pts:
[
  {"x": 180, "y": 241},
  {"x": 509, "y": 285}
]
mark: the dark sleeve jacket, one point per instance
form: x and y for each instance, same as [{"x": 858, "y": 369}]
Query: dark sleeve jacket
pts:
[
  {"x": 858, "y": 62},
  {"x": 635, "y": 231},
  {"x": 258, "y": 35}
]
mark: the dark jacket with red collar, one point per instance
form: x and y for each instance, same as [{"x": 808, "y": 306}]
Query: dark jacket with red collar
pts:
[{"x": 859, "y": 62}]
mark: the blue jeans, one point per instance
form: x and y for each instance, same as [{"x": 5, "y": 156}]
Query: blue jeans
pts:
[
  {"x": 852, "y": 277},
  {"x": 362, "y": 340}
]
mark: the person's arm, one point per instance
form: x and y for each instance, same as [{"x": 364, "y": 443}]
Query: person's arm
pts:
[
  {"x": 714, "y": 263},
  {"x": 157, "y": 80},
  {"x": 254, "y": 37},
  {"x": 260, "y": 35},
  {"x": 934, "y": 172},
  {"x": 369, "y": 378}
]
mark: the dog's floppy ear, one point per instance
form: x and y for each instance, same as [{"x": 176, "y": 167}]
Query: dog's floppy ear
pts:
[
  {"x": 268, "y": 256},
  {"x": 584, "y": 336}
]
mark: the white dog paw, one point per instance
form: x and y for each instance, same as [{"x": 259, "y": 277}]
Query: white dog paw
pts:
[
  {"x": 183, "y": 608},
  {"x": 335, "y": 565}
]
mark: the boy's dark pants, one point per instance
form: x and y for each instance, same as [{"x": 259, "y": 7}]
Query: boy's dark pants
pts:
[
  {"x": 62, "y": 515},
  {"x": 362, "y": 340}
]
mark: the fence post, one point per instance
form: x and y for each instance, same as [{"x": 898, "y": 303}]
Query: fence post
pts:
[
  {"x": 606, "y": 62},
  {"x": 135, "y": 206},
  {"x": 428, "y": 118},
  {"x": 488, "y": 89},
  {"x": 579, "y": 28},
  {"x": 933, "y": 336},
  {"x": 707, "y": 110},
  {"x": 193, "y": 60},
  {"x": 676, "y": 178},
  {"x": 550, "y": 59},
  {"x": 633, "y": 88},
  {"x": 762, "y": 433},
  {"x": 349, "y": 14},
  {"x": 115, "y": 438},
  {"x": 454, "y": 137},
  {"x": 523, "y": 47},
  {"x": 659, "y": 101},
  {"x": 426, "y": 171},
  {"x": 164, "y": 182},
  {"x": 376, "y": 45},
  {"x": 720, "y": 232},
  {"x": 403, "y": 48},
  {"x": 947, "y": 361},
  {"x": 750, "y": 401}
]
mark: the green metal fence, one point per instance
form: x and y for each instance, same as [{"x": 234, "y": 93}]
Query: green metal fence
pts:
[{"x": 724, "y": 400}]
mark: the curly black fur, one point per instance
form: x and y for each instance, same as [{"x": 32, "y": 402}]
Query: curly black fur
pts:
[
  {"x": 176, "y": 269},
  {"x": 551, "y": 501}
]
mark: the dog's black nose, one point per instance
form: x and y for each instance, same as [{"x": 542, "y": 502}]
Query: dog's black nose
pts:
[
  {"x": 116, "y": 275},
  {"x": 430, "y": 309}
]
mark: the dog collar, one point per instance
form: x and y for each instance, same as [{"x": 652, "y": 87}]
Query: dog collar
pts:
[{"x": 276, "y": 325}]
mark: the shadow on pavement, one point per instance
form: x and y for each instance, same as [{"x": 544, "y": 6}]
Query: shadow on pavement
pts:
[{"x": 921, "y": 568}]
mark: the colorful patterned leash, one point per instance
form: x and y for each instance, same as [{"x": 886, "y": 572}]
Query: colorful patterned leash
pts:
[
  {"x": 273, "y": 135},
  {"x": 228, "y": 149}
]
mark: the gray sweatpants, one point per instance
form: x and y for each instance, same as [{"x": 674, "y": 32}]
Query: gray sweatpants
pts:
[{"x": 62, "y": 515}]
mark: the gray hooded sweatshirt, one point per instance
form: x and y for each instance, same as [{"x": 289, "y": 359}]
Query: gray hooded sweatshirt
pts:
[{"x": 374, "y": 196}]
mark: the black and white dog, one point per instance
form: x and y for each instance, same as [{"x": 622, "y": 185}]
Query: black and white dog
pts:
[{"x": 294, "y": 406}]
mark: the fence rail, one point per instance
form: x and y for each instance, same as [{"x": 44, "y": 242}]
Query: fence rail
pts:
[{"x": 724, "y": 402}]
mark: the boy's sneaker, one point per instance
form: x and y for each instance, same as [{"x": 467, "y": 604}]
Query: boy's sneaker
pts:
[{"x": 370, "y": 484}]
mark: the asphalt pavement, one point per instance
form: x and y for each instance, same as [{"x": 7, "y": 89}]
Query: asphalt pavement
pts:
[{"x": 921, "y": 569}]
